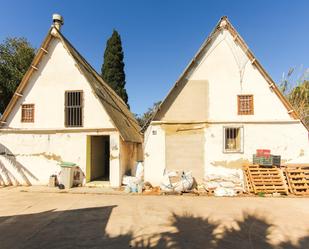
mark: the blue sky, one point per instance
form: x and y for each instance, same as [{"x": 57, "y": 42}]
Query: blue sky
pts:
[{"x": 160, "y": 37}]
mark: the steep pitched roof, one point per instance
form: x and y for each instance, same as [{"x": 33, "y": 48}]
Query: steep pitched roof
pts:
[
  {"x": 117, "y": 110},
  {"x": 224, "y": 23}
]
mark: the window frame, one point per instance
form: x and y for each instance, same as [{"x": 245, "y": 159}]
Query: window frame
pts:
[
  {"x": 24, "y": 109},
  {"x": 241, "y": 130},
  {"x": 81, "y": 107},
  {"x": 239, "y": 112}
]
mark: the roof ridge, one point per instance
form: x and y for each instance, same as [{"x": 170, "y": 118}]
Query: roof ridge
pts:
[
  {"x": 120, "y": 106},
  {"x": 115, "y": 107},
  {"x": 92, "y": 69},
  {"x": 229, "y": 27},
  {"x": 103, "y": 83}
]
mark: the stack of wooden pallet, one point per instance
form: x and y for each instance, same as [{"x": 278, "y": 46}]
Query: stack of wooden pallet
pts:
[
  {"x": 298, "y": 179},
  {"x": 247, "y": 181},
  {"x": 267, "y": 180}
]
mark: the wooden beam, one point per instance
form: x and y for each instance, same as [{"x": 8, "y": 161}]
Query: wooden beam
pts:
[
  {"x": 27, "y": 76},
  {"x": 44, "y": 50},
  {"x": 34, "y": 67},
  {"x": 18, "y": 94}
]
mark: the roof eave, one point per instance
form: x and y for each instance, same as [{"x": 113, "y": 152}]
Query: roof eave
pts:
[
  {"x": 228, "y": 26},
  {"x": 19, "y": 91}
]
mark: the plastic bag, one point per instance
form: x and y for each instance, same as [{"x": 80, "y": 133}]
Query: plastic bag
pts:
[
  {"x": 185, "y": 182},
  {"x": 139, "y": 174},
  {"x": 224, "y": 192}
]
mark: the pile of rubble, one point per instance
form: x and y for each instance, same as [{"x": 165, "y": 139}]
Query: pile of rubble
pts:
[{"x": 222, "y": 182}]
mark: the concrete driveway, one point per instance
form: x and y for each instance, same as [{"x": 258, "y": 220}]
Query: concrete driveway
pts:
[{"x": 54, "y": 220}]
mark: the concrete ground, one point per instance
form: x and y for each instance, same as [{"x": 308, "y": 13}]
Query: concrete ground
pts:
[{"x": 67, "y": 220}]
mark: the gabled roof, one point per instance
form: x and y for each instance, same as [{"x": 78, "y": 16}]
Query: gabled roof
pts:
[
  {"x": 225, "y": 24},
  {"x": 117, "y": 110}
]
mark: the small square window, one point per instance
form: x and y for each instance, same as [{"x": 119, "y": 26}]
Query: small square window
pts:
[
  {"x": 245, "y": 105},
  {"x": 27, "y": 113},
  {"x": 233, "y": 139}
]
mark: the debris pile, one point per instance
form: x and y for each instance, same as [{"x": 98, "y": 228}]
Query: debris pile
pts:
[
  {"x": 222, "y": 181},
  {"x": 177, "y": 181},
  {"x": 135, "y": 184},
  {"x": 224, "y": 184}
]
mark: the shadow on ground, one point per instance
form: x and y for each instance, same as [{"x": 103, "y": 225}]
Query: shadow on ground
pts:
[{"x": 86, "y": 228}]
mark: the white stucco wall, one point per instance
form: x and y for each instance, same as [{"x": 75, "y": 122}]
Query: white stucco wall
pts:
[
  {"x": 41, "y": 145},
  {"x": 114, "y": 163},
  {"x": 154, "y": 154},
  {"x": 228, "y": 72},
  {"x": 41, "y": 154},
  {"x": 46, "y": 89},
  {"x": 288, "y": 140},
  {"x": 222, "y": 67}
]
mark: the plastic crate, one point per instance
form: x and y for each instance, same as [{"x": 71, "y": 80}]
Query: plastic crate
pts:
[
  {"x": 260, "y": 160},
  {"x": 267, "y": 161},
  {"x": 263, "y": 153},
  {"x": 276, "y": 160}
]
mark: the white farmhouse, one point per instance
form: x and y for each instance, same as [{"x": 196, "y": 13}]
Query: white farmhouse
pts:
[
  {"x": 63, "y": 111},
  {"x": 221, "y": 109}
]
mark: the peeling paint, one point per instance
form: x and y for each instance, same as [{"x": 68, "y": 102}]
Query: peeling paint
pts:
[
  {"x": 183, "y": 128},
  {"x": 111, "y": 157},
  {"x": 49, "y": 156},
  {"x": 114, "y": 147},
  {"x": 236, "y": 164},
  {"x": 301, "y": 153}
]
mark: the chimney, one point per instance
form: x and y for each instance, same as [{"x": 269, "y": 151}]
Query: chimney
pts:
[{"x": 58, "y": 21}]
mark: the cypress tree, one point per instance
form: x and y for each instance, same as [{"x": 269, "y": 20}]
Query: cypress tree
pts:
[{"x": 113, "y": 66}]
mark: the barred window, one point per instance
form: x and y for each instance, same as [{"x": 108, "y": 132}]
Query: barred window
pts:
[
  {"x": 27, "y": 113},
  {"x": 73, "y": 108},
  {"x": 233, "y": 139},
  {"x": 245, "y": 105}
]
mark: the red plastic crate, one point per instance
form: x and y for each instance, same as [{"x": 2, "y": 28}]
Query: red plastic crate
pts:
[{"x": 263, "y": 153}]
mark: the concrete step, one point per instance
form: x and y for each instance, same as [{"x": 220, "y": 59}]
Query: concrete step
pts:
[{"x": 98, "y": 184}]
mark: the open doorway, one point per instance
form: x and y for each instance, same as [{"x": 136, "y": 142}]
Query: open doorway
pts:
[{"x": 99, "y": 158}]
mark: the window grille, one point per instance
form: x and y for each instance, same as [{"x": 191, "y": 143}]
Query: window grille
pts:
[
  {"x": 245, "y": 105},
  {"x": 73, "y": 109},
  {"x": 232, "y": 139},
  {"x": 27, "y": 113}
]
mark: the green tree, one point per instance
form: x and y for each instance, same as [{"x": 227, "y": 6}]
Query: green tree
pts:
[
  {"x": 299, "y": 98},
  {"x": 16, "y": 55},
  {"x": 113, "y": 66},
  {"x": 146, "y": 117},
  {"x": 297, "y": 92}
]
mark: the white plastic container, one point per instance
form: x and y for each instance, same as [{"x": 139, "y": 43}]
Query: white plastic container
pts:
[{"x": 67, "y": 174}]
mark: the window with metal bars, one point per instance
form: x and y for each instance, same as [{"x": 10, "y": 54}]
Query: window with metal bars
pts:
[
  {"x": 233, "y": 139},
  {"x": 74, "y": 108},
  {"x": 245, "y": 105},
  {"x": 27, "y": 113}
]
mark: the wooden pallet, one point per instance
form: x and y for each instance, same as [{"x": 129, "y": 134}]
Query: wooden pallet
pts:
[
  {"x": 248, "y": 185},
  {"x": 265, "y": 180},
  {"x": 298, "y": 180}
]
